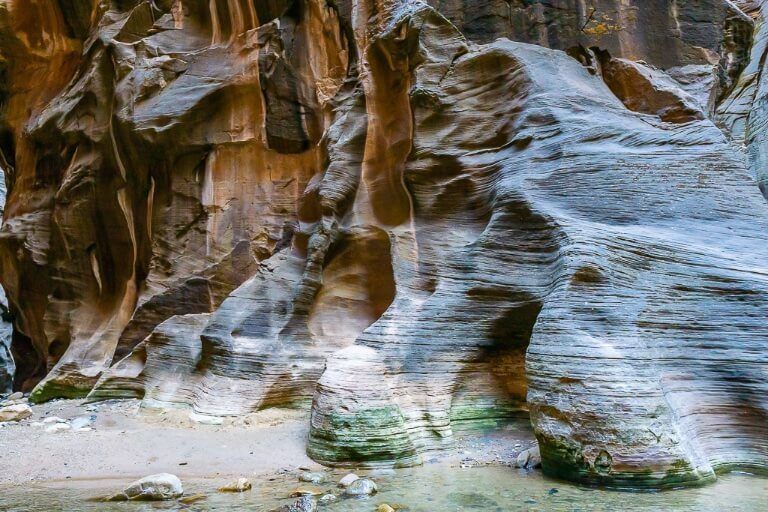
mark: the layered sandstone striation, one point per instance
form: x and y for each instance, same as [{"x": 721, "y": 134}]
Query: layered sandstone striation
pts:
[{"x": 412, "y": 214}]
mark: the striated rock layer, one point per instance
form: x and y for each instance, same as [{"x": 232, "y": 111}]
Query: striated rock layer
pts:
[{"x": 414, "y": 214}]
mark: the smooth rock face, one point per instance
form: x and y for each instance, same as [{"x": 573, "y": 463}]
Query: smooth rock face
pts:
[
  {"x": 382, "y": 207},
  {"x": 160, "y": 487}
]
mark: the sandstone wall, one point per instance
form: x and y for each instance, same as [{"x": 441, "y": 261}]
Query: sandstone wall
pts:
[{"x": 411, "y": 213}]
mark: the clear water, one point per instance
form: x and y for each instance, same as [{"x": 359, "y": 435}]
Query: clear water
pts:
[{"x": 426, "y": 489}]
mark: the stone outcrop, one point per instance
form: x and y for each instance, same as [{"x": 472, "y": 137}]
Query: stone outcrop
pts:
[{"x": 408, "y": 214}]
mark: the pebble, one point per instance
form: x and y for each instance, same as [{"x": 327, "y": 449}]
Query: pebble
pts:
[{"x": 385, "y": 508}]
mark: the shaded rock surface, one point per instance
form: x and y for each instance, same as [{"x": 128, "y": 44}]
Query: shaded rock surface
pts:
[
  {"x": 7, "y": 365},
  {"x": 381, "y": 207}
]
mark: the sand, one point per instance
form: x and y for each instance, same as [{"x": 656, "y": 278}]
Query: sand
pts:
[{"x": 128, "y": 442}]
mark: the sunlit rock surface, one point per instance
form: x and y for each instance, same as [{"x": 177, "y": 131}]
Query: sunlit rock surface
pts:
[{"x": 410, "y": 214}]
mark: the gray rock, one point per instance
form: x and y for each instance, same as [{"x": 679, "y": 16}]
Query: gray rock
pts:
[
  {"x": 361, "y": 487},
  {"x": 347, "y": 480},
  {"x": 529, "y": 459},
  {"x": 159, "y": 487},
  {"x": 313, "y": 477},
  {"x": 326, "y": 499},
  {"x": 303, "y": 504}
]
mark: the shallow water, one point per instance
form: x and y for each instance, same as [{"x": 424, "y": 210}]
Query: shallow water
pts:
[{"x": 426, "y": 489}]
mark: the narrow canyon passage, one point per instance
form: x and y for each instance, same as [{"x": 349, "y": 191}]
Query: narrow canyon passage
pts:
[{"x": 541, "y": 224}]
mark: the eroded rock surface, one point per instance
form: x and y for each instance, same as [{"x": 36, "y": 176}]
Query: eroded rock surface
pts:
[{"x": 404, "y": 212}]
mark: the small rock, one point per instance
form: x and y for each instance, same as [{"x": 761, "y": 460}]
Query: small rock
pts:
[
  {"x": 162, "y": 486},
  {"x": 57, "y": 427},
  {"x": 385, "y": 508},
  {"x": 529, "y": 459},
  {"x": 347, "y": 480},
  {"x": 15, "y": 412},
  {"x": 189, "y": 500},
  {"x": 313, "y": 478},
  {"x": 303, "y": 504},
  {"x": 552, "y": 491},
  {"x": 53, "y": 419},
  {"x": 326, "y": 499},
  {"x": 239, "y": 485},
  {"x": 361, "y": 487},
  {"x": 15, "y": 396}
]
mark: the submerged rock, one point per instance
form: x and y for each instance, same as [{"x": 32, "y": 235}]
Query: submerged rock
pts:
[
  {"x": 385, "y": 508},
  {"x": 195, "y": 498},
  {"x": 326, "y": 499},
  {"x": 239, "y": 485},
  {"x": 361, "y": 487},
  {"x": 313, "y": 477},
  {"x": 303, "y": 504},
  {"x": 159, "y": 487}
]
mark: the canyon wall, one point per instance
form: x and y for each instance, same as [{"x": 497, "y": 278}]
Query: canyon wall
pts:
[{"x": 409, "y": 214}]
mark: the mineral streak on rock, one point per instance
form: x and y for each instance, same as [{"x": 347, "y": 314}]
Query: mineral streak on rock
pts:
[{"x": 411, "y": 214}]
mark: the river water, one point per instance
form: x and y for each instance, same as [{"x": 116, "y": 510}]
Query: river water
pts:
[{"x": 427, "y": 489}]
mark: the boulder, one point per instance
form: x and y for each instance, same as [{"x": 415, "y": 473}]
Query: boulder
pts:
[{"x": 159, "y": 487}]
